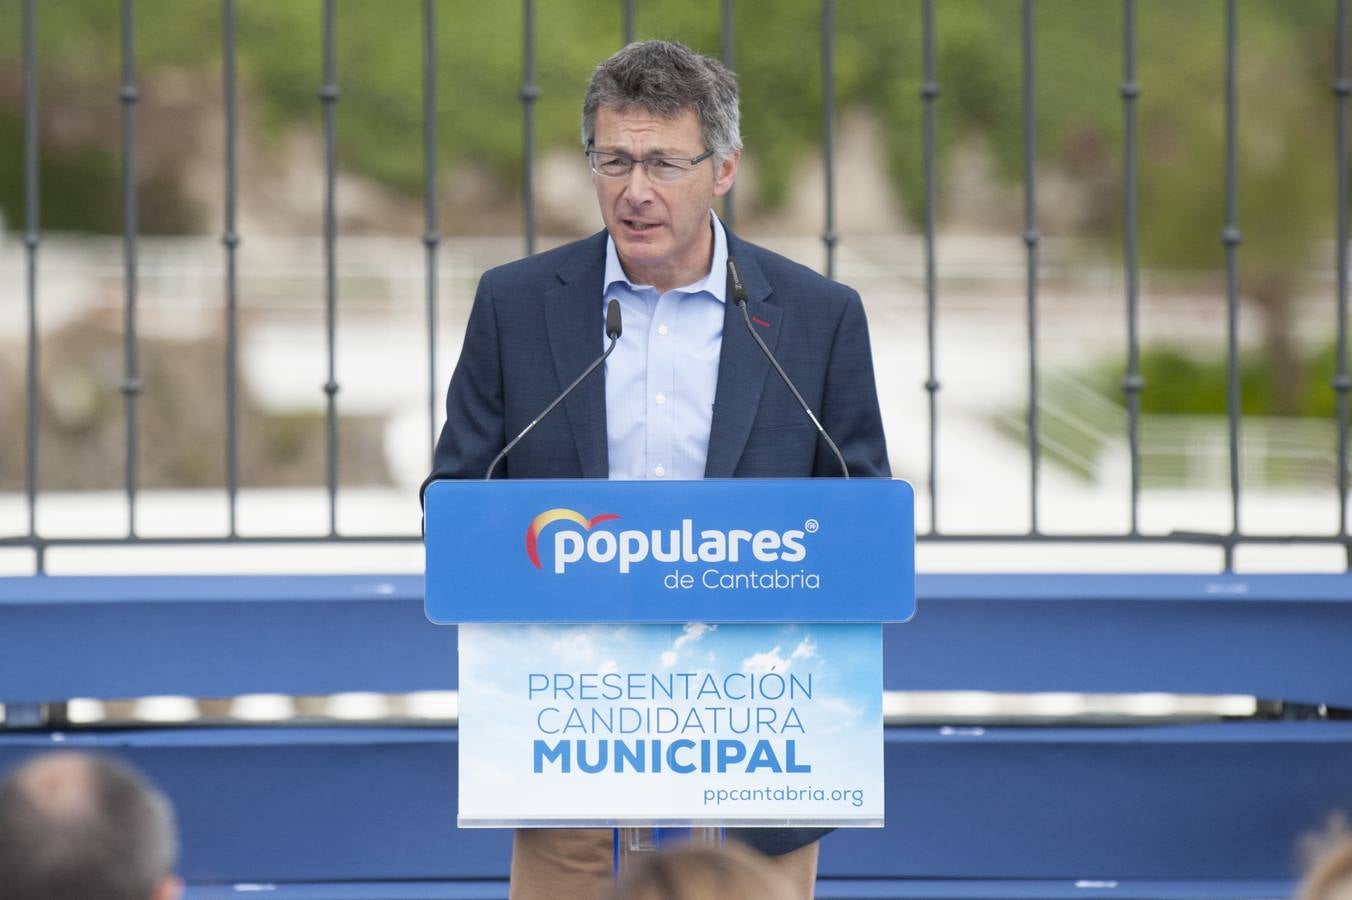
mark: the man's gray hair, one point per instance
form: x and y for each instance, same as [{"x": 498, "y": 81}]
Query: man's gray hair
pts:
[
  {"x": 79, "y": 825},
  {"x": 666, "y": 79}
]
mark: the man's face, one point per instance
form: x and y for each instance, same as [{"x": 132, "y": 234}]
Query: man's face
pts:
[{"x": 661, "y": 230}]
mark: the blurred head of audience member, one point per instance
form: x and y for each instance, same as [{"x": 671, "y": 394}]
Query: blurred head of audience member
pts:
[
  {"x": 731, "y": 872},
  {"x": 74, "y": 825},
  {"x": 1328, "y": 873}
]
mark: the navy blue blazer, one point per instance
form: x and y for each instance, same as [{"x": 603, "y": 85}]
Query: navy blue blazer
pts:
[{"x": 538, "y": 322}]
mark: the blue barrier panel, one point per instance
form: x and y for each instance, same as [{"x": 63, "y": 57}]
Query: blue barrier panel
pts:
[
  {"x": 303, "y": 804},
  {"x": 1227, "y": 801},
  {"x": 827, "y": 889},
  {"x": 217, "y": 636},
  {"x": 1272, "y": 636},
  {"x": 1281, "y": 637},
  {"x": 960, "y": 889},
  {"x": 495, "y": 889}
]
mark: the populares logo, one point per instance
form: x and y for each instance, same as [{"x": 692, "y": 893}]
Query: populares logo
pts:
[
  {"x": 670, "y": 545},
  {"x": 549, "y": 516}
]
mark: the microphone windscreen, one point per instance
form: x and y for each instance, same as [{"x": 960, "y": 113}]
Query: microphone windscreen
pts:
[
  {"x": 735, "y": 277},
  {"x": 613, "y": 324}
]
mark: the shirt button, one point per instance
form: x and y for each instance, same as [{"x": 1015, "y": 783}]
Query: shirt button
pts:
[
  {"x": 660, "y": 471},
  {"x": 660, "y": 398},
  {"x": 662, "y": 330}
]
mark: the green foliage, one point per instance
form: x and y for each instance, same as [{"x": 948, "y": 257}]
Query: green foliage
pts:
[
  {"x": 82, "y": 424},
  {"x": 1178, "y": 380},
  {"x": 1286, "y": 109},
  {"x": 77, "y": 185}
]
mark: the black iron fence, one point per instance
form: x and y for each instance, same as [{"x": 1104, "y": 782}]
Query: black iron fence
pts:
[{"x": 329, "y": 96}]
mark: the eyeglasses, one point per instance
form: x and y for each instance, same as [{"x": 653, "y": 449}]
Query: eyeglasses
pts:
[{"x": 657, "y": 168}]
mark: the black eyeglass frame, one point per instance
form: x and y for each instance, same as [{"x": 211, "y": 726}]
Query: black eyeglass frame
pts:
[{"x": 685, "y": 165}]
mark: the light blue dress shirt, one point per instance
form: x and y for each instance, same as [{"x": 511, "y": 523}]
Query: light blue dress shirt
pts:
[{"x": 661, "y": 379}]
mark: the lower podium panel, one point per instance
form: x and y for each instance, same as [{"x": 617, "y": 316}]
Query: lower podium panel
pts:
[{"x": 1135, "y": 807}]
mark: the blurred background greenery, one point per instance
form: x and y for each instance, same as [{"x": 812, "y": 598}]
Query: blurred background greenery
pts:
[
  {"x": 1286, "y": 117},
  {"x": 1286, "y": 57}
]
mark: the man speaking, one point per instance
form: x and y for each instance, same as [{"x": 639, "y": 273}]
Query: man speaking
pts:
[{"x": 687, "y": 392}]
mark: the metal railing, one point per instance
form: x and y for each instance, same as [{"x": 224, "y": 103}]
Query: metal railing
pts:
[
  {"x": 1082, "y": 431},
  {"x": 929, "y": 95}
]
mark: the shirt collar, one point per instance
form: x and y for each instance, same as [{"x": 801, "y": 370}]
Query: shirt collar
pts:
[{"x": 715, "y": 281}]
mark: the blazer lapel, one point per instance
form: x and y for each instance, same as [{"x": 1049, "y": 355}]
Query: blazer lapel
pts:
[
  {"x": 742, "y": 367},
  {"x": 573, "y": 319}
]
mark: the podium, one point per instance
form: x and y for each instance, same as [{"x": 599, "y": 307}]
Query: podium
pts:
[{"x": 670, "y": 654}]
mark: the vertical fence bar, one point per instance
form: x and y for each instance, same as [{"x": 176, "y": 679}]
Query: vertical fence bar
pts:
[
  {"x": 929, "y": 93},
  {"x": 530, "y": 92},
  {"x": 431, "y": 236},
  {"x": 729, "y": 207},
  {"x": 629, "y": 22},
  {"x": 328, "y": 97},
  {"x": 1342, "y": 86},
  {"x": 829, "y": 236},
  {"x": 231, "y": 241},
  {"x": 1231, "y": 238},
  {"x": 32, "y": 239},
  {"x": 1132, "y": 383},
  {"x": 1031, "y": 238},
  {"x": 131, "y": 385}
]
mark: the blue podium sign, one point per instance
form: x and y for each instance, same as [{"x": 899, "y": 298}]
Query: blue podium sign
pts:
[
  {"x": 733, "y": 550},
  {"x": 668, "y": 725}
]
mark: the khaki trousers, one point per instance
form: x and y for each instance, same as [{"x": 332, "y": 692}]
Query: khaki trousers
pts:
[{"x": 578, "y": 864}]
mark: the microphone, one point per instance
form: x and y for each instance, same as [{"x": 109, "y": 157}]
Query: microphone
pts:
[
  {"x": 614, "y": 327},
  {"x": 739, "y": 296}
]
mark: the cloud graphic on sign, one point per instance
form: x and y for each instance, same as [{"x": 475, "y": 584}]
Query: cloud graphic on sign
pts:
[
  {"x": 692, "y": 632},
  {"x": 550, "y": 516},
  {"x": 763, "y": 663},
  {"x": 773, "y": 660},
  {"x": 571, "y": 646},
  {"x": 835, "y": 715}
]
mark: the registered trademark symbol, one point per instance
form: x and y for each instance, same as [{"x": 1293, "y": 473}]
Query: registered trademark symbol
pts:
[{"x": 811, "y": 526}]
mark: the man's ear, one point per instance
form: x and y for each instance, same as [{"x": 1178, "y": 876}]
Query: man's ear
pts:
[
  {"x": 727, "y": 173},
  {"x": 171, "y": 888}
]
